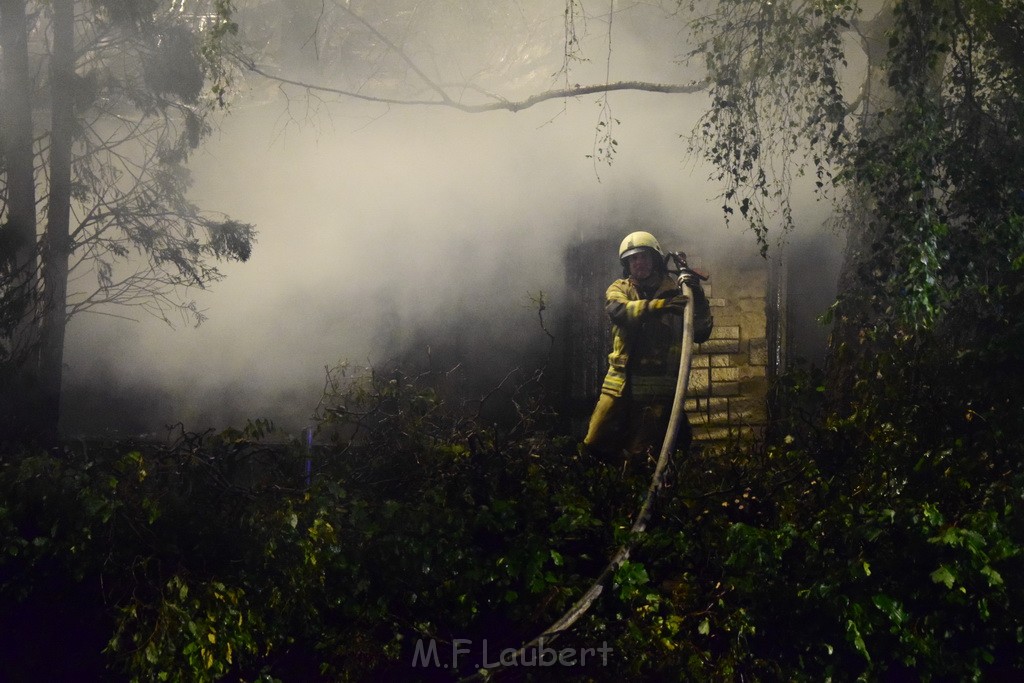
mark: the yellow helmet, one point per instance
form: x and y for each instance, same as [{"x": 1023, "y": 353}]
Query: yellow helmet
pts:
[{"x": 638, "y": 241}]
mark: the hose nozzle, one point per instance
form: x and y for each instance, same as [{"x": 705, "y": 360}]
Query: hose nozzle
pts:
[{"x": 679, "y": 258}]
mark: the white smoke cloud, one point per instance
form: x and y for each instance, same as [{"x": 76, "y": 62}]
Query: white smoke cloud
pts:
[{"x": 377, "y": 223}]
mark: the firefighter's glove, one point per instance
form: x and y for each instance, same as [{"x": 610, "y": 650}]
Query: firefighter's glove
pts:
[
  {"x": 672, "y": 305},
  {"x": 688, "y": 278}
]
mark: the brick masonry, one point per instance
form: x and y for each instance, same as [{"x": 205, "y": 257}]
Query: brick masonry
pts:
[{"x": 729, "y": 376}]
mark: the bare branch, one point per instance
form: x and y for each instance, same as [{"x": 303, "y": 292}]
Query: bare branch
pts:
[
  {"x": 499, "y": 103},
  {"x": 401, "y": 53}
]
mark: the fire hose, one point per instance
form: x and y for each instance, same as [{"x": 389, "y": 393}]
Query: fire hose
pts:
[{"x": 581, "y": 606}]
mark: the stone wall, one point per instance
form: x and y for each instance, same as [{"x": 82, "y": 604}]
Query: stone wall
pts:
[{"x": 728, "y": 385}]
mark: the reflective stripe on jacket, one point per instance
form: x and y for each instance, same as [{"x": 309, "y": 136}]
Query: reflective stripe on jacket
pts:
[{"x": 644, "y": 360}]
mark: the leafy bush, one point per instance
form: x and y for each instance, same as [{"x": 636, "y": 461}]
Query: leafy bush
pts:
[{"x": 879, "y": 544}]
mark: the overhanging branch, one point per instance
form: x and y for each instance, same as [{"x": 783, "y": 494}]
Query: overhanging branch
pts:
[{"x": 498, "y": 103}]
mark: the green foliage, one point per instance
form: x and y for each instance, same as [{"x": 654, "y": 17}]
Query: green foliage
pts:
[
  {"x": 889, "y": 548},
  {"x": 777, "y": 104},
  {"x": 926, "y": 160},
  {"x": 215, "y": 49},
  {"x": 220, "y": 555},
  {"x": 880, "y": 544}
]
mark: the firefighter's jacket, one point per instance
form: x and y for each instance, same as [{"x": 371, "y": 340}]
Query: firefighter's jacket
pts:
[{"x": 644, "y": 362}]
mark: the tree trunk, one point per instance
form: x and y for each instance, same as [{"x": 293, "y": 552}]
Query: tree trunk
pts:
[
  {"x": 57, "y": 239},
  {"x": 867, "y": 260},
  {"x": 18, "y": 262},
  {"x": 852, "y": 313}
]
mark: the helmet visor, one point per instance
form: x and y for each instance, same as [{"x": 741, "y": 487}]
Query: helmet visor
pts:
[{"x": 636, "y": 250}]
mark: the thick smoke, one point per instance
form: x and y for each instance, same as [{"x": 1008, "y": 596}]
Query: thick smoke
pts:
[{"x": 386, "y": 230}]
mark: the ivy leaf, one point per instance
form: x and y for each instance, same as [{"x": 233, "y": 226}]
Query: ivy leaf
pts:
[
  {"x": 994, "y": 577},
  {"x": 944, "y": 575}
]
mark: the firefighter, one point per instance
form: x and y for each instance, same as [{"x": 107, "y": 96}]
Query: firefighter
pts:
[{"x": 645, "y": 308}]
